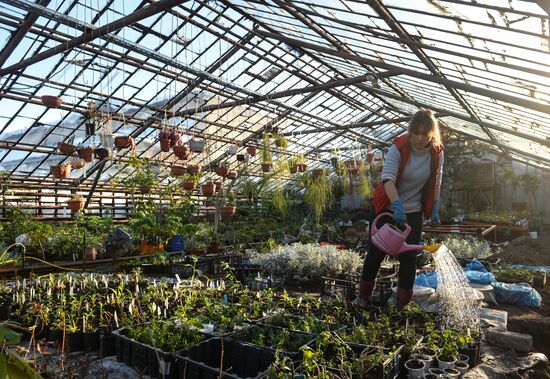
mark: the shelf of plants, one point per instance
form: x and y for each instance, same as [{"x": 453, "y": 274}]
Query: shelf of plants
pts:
[{"x": 181, "y": 329}]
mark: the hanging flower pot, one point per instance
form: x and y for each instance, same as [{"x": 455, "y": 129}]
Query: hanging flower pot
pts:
[
  {"x": 177, "y": 170},
  {"x": 66, "y": 148},
  {"x": 103, "y": 153},
  {"x": 78, "y": 163},
  {"x": 208, "y": 189},
  {"x": 196, "y": 145},
  {"x": 222, "y": 171},
  {"x": 90, "y": 129},
  {"x": 232, "y": 175},
  {"x": 90, "y": 253},
  {"x": 51, "y": 101},
  {"x": 232, "y": 149},
  {"x": 61, "y": 171},
  {"x": 317, "y": 172},
  {"x": 219, "y": 186},
  {"x": 193, "y": 169},
  {"x": 251, "y": 150},
  {"x": 144, "y": 189},
  {"x": 267, "y": 167},
  {"x": 76, "y": 203},
  {"x": 294, "y": 169},
  {"x": 107, "y": 140},
  {"x": 302, "y": 167},
  {"x": 86, "y": 153},
  {"x": 242, "y": 158},
  {"x": 228, "y": 211},
  {"x": 123, "y": 142},
  {"x": 188, "y": 186},
  {"x": 164, "y": 144},
  {"x": 182, "y": 152}
]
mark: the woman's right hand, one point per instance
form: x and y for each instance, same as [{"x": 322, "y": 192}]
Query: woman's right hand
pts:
[{"x": 399, "y": 215}]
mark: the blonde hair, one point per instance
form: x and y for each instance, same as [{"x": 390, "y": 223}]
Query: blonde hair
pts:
[{"x": 424, "y": 121}]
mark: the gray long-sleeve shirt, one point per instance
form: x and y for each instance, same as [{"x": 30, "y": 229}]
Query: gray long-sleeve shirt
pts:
[{"x": 414, "y": 176}]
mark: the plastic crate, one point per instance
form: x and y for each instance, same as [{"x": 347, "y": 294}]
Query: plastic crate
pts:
[
  {"x": 342, "y": 288},
  {"x": 382, "y": 291},
  {"x": 239, "y": 360},
  {"x": 216, "y": 262}
]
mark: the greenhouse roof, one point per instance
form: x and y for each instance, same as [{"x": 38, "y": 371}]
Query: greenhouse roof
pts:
[{"x": 326, "y": 74}]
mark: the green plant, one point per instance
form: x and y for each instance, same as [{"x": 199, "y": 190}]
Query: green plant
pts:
[
  {"x": 318, "y": 195},
  {"x": 515, "y": 274},
  {"x": 265, "y": 150},
  {"x": 12, "y": 366}
]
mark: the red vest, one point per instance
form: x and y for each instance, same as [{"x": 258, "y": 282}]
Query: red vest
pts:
[{"x": 381, "y": 200}]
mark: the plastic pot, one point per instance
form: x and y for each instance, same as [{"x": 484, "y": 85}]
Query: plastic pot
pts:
[{"x": 415, "y": 368}]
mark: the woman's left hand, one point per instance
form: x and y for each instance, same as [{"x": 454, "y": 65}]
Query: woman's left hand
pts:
[{"x": 435, "y": 220}]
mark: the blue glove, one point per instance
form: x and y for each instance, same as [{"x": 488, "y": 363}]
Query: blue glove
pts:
[
  {"x": 399, "y": 215},
  {"x": 435, "y": 214}
]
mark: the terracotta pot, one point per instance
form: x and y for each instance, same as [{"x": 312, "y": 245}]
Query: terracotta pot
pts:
[
  {"x": 251, "y": 150},
  {"x": 60, "y": 171},
  {"x": 66, "y": 148},
  {"x": 90, "y": 253},
  {"x": 182, "y": 152},
  {"x": 78, "y": 163},
  {"x": 267, "y": 167},
  {"x": 302, "y": 167},
  {"x": 177, "y": 170},
  {"x": 165, "y": 145},
  {"x": 123, "y": 142},
  {"x": 208, "y": 189},
  {"x": 193, "y": 169},
  {"x": 222, "y": 171},
  {"x": 86, "y": 154},
  {"x": 232, "y": 175},
  {"x": 294, "y": 169},
  {"x": 75, "y": 205},
  {"x": 188, "y": 186},
  {"x": 317, "y": 172},
  {"x": 51, "y": 101},
  {"x": 219, "y": 186},
  {"x": 144, "y": 189},
  {"x": 103, "y": 153},
  {"x": 228, "y": 211}
]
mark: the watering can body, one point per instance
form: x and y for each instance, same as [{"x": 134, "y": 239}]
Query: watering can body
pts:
[{"x": 390, "y": 239}]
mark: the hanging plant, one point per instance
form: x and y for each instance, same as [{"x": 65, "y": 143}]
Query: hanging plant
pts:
[
  {"x": 51, "y": 101},
  {"x": 61, "y": 171},
  {"x": 251, "y": 150},
  {"x": 182, "y": 152},
  {"x": 266, "y": 156},
  {"x": 66, "y": 148},
  {"x": 75, "y": 203},
  {"x": 123, "y": 142},
  {"x": 318, "y": 195}
]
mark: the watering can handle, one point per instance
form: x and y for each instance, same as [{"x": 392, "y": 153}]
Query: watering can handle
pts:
[{"x": 374, "y": 228}]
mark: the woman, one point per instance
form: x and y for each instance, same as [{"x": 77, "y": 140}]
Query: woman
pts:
[{"x": 409, "y": 188}]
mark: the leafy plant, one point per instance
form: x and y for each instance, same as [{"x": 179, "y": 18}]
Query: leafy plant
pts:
[{"x": 318, "y": 195}]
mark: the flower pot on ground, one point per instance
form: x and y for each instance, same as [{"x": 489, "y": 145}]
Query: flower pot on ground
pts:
[
  {"x": 445, "y": 362},
  {"x": 177, "y": 170},
  {"x": 462, "y": 367},
  {"x": 86, "y": 153},
  {"x": 123, "y": 142},
  {"x": 196, "y": 145},
  {"x": 66, "y": 148},
  {"x": 193, "y": 169},
  {"x": 182, "y": 152},
  {"x": 51, "y": 101},
  {"x": 452, "y": 373},
  {"x": 208, "y": 189},
  {"x": 415, "y": 368},
  {"x": 61, "y": 171},
  {"x": 90, "y": 253},
  {"x": 251, "y": 150},
  {"x": 437, "y": 372},
  {"x": 222, "y": 171},
  {"x": 267, "y": 167},
  {"x": 218, "y": 185},
  {"x": 427, "y": 359},
  {"x": 76, "y": 203},
  {"x": 103, "y": 153}
]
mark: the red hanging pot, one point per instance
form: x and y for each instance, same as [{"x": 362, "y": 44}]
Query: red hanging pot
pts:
[
  {"x": 188, "y": 186},
  {"x": 182, "y": 152},
  {"x": 222, "y": 171},
  {"x": 51, "y": 101},
  {"x": 228, "y": 211},
  {"x": 208, "y": 189}
]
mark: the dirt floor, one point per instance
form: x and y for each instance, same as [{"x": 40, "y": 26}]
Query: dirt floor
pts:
[{"x": 533, "y": 321}]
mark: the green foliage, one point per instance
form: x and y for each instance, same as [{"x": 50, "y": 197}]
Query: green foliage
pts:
[
  {"x": 515, "y": 274},
  {"x": 468, "y": 247},
  {"x": 318, "y": 195},
  {"x": 166, "y": 336}
]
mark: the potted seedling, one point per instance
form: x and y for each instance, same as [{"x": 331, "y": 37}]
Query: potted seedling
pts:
[
  {"x": 76, "y": 202},
  {"x": 251, "y": 150},
  {"x": 181, "y": 151},
  {"x": 448, "y": 352},
  {"x": 229, "y": 208},
  {"x": 415, "y": 368},
  {"x": 189, "y": 182},
  {"x": 266, "y": 156}
]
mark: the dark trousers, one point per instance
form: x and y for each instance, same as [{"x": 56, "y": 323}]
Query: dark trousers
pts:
[{"x": 407, "y": 260}]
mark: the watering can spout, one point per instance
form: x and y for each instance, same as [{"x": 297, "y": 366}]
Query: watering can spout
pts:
[{"x": 406, "y": 247}]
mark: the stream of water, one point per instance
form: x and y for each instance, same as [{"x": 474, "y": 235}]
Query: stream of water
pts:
[{"x": 458, "y": 307}]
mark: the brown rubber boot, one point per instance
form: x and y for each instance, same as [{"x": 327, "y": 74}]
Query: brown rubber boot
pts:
[
  {"x": 404, "y": 297},
  {"x": 365, "y": 291}
]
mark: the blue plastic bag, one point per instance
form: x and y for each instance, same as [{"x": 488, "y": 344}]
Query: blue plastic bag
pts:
[
  {"x": 479, "y": 277},
  {"x": 517, "y": 294},
  {"x": 475, "y": 265},
  {"x": 429, "y": 279}
]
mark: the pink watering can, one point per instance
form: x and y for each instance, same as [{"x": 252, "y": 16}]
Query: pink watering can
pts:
[{"x": 389, "y": 239}]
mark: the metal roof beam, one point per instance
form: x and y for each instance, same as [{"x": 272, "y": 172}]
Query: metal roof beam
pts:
[
  {"x": 90, "y": 34},
  {"x": 417, "y": 74}
]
